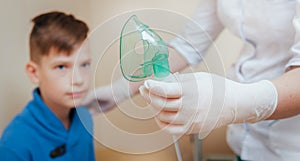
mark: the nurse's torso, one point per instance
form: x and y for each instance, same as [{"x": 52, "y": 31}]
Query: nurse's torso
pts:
[{"x": 267, "y": 30}]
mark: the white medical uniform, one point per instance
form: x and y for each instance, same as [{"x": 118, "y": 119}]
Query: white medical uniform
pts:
[{"x": 270, "y": 31}]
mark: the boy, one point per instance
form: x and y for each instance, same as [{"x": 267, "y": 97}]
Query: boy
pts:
[{"x": 49, "y": 127}]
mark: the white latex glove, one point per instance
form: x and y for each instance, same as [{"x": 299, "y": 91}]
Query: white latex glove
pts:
[
  {"x": 105, "y": 98},
  {"x": 201, "y": 102}
]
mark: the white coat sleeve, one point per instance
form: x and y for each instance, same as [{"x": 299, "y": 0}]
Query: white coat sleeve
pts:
[
  {"x": 199, "y": 33},
  {"x": 295, "y": 60}
]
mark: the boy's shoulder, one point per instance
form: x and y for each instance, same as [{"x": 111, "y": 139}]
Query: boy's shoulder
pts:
[
  {"x": 20, "y": 133},
  {"x": 17, "y": 136},
  {"x": 19, "y": 127}
]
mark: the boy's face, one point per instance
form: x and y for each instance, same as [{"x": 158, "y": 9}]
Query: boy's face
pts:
[{"x": 64, "y": 80}]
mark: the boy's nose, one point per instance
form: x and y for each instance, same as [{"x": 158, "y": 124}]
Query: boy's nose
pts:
[{"x": 77, "y": 78}]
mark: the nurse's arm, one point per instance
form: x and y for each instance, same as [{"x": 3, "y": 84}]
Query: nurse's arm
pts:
[{"x": 288, "y": 88}]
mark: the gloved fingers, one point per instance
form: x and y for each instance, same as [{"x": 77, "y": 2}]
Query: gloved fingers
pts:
[
  {"x": 105, "y": 105},
  {"x": 160, "y": 103},
  {"x": 171, "y": 128},
  {"x": 170, "y": 117},
  {"x": 89, "y": 98},
  {"x": 164, "y": 89},
  {"x": 90, "y": 101},
  {"x": 144, "y": 93},
  {"x": 99, "y": 100}
]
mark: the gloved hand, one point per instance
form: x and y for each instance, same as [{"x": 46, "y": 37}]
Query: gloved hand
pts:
[
  {"x": 107, "y": 97},
  {"x": 201, "y": 102}
]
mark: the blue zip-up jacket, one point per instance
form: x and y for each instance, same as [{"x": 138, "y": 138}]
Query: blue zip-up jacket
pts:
[{"x": 36, "y": 134}]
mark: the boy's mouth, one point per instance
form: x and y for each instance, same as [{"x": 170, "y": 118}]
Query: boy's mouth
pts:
[{"x": 76, "y": 94}]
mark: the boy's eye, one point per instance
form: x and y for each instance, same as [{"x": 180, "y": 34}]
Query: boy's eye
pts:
[
  {"x": 86, "y": 65},
  {"x": 60, "y": 67}
]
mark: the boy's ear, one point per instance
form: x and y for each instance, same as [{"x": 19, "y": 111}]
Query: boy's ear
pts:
[{"x": 32, "y": 72}]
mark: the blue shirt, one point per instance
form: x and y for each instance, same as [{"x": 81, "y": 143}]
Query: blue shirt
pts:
[{"x": 36, "y": 134}]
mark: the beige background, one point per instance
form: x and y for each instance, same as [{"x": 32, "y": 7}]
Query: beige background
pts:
[{"x": 16, "y": 88}]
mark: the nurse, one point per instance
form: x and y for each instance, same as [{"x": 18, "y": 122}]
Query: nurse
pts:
[{"x": 260, "y": 100}]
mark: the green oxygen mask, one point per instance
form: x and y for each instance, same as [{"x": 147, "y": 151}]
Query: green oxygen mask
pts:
[{"x": 142, "y": 52}]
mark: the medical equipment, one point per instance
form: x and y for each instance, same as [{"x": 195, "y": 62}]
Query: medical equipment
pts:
[{"x": 142, "y": 54}]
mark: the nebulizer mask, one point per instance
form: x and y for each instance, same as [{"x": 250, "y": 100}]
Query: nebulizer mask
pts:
[{"x": 143, "y": 54}]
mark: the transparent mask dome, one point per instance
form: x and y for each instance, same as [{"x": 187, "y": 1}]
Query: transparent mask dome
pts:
[{"x": 142, "y": 52}]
